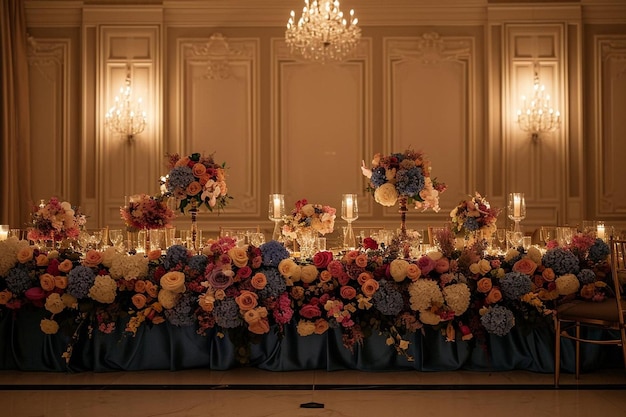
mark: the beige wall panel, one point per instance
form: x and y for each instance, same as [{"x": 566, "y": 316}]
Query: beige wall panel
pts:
[{"x": 219, "y": 114}]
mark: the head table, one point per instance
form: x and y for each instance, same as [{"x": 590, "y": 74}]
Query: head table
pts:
[{"x": 103, "y": 311}]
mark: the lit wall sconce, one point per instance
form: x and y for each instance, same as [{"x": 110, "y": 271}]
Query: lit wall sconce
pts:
[
  {"x": 536, "y": 115},
  {"x": 126, "y": 117}
]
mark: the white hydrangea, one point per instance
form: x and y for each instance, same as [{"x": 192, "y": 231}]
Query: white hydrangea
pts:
[
  {"x": 457, "y": 297},
  {"x": 8, "y": 253},
  {"x": 567, "y": 284},
  {"x": 129, "y": 267},
  {"x": 424, "y": 293},
  {"x": 109, "y": 255},
  {"x": 103, "y": 290}
]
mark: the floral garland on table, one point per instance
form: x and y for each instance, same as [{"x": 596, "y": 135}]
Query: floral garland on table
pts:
[
  {"x": 147, "y": 212},
  {"x": 307, "y": 216},
  {"x": 403, "y": 175},
  {"x": 197, "y": 180},
  {"x": 55, "y": 219},
  {"x": 474, "y": 215}
]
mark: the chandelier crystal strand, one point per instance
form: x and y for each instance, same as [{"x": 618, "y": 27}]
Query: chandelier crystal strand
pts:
[
  {"x": 126, "y": 117},
  {"x": 536, "y": 115},
  {"x": 322, "y": 34}
]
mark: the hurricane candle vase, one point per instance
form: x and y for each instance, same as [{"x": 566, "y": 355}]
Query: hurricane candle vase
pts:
[
  {"x": 349, "y": 213},
  {"x": 276, "y": 211},
  {"x": 517, "y": 212}
]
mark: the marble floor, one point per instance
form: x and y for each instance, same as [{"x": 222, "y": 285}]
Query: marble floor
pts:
[{"x": 254, "y": 392}]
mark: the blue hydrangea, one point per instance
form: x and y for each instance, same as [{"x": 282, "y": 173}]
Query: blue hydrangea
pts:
[
  {"x": 198, "y": 262},
  {"x": 471, "y": 224},
  {"x": 226, "y": 313},
  {"x": 80, "y": 280},
  {"x": 180, "y": 177},
  {"x": 18, "y": 280},
  {"x": 182, "y": 313},
  {"x": 379, "y": 177},
  {"x": 388, "y": 300},
  {"x": 498, "y": 320},
  {"x": 599, "y": 251},
  {"x": 273, "y": 252},
  {"x": 275, "y": 284},
  {"x": 410, "y": 181},
  {"x": 175, "y": 254},
  {"x": 561, "y": 261},
  {"x": 586, "y": 276},
  {"x": 515, "y": 284}
]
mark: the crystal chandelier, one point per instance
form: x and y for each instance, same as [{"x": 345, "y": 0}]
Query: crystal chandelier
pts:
[
  {"x": 322, "y": 34},
  {"x": 536, "y": 116},
  {"x": 126, "y": 117}
]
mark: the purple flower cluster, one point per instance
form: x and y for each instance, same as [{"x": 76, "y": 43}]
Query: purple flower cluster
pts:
[
  {"x": 18, "y": 280},
  {"x": 586, "y": 276},
  {"x": 175, "y": 254},
  {"x": 198, "y": 263},
  {"x": 179, "y": 178},
  {"x": 379, "y": 177},
  {"x": 515, "y": 284},
  {"x": 272, "y": 253},
  {"x": 226, "y": 313},
  {"x": 498, "y": 320},
  {"x": 182, "y": 313},
  {"x": 388, "y": 300},
  {"x": 599, "y": 251},
  {"x": 275, "y": 283},
  {"x": 80, "y": 280},
  {"x": 410, "y": 182},
  {"x": 561, "y": 261}
]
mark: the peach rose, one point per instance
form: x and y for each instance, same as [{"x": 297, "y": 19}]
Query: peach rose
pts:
[
  {"x": 194, "y": 188},
  {"x": 60, "y": 282},
  {"x": 369, "y": 287},
  {"x": 139, "y": 301},
  {"x": 239, "y": 256},
  {"x": 93, "y": 258},
  {"x": 484, "y": 285},
  {"x": 5, "y": 296},
  {"x": 325, "y": 276},
  {"x": 47, "y": 282},
  {"x": 173, "y": 281},
  {"x": 287, "y": 267},
  {"x": 198, "y": 170},
  {"x": 494, "y": 296},
  {"x": 25, "y": 254},
  {"x": 42, "y": 260},
  {"x": 247, "y": 300},
  {"x": 364, "y": 276},
  {"x": 321, "y": 326},
  {"x": 66, "y": 266},
  {"x": 309, "y": 274},
  {"x": 413, "y": 272},
  {"x": 153, "y": 255},
  {"x": 206, "y": 302},
  {"x": 525, "y": 266},
  {"x": 140, "y": 286},
  {"x": 361, "y": 260},
  {"x": 548, "y": 275},
  {"x": 259, "y": 281},
  {"x": 260, "y": 326},
  {"x": 49, "y": 326},
  {"x": 347, "y": 292},
  {"x": 297, "y": 293},
  {"x": 151, "y": 289}
]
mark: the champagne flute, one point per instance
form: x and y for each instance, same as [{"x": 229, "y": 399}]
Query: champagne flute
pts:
[
  {"x": 547, "y": 233},
  {"x": 501, "y": 236},
  {"x": 117, "y": 237}
]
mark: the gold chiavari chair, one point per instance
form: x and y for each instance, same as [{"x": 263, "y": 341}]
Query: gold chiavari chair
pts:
[{"x": 608, "y": 314}]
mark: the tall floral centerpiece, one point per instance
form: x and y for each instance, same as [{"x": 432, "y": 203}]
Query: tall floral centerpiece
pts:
[
  {"x": 147, "y": 212},
  {"x": 403, "y": 178},
  {"x": 55, "y": 220},
  {"x": 197, "y": 182},
  {"x": 474, "y": 217},
  {"x": 305, "y": 222}
]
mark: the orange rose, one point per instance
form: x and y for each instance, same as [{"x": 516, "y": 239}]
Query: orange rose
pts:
[
  {"x": 66, "y": 266},
  {"x": 494, "y": 296},
  {"x": 182, "y": 161},
  {"x": 153, "y": 255},
  {"x": 260, "y": 326},
  {"x": 139, "y": 301},
  {"x": 205, "y": 301},
  {"x": 350, "y": 256},
  {"x": 42, "y": 260},
  {"x": 321, "y": 326},
  {"x": 347, "y": 292},
  {"x": 194, "y": 188},
  {"x": 60, "y": 282},
  {"x": 25, "y": 254},
  {"x": 525, "y": 266},
  {"x": 220, "y": 174},
  {"x": 369, "y": 287},
  {"x": 363, "y": 276},
  {"x": 204, "y": 178},
  {"x": 297, "y": 293},
  {"x": 93, "y": 258},
  {"x": 5, "y": 296},
  {"x": 484, "y": 285},
  {"x": 140, "y": 286},
  {"x": 47, "y": 282},
  {"x": 247, "y": 300},
  {"x": 413, "y": 272},
  {"x": 198, "y": 170},
  {"x": 151, "y": 289},
  {"x": 325, "y": 276},
  {"x": 259, "y": 281},
  {"x": 548, "y": 275},
  {"x": 361, "y": 260}
]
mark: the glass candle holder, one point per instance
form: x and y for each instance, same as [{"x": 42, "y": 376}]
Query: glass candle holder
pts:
[
  {"x": 276, "y": 211},
  {"x": 349, "y": 212}
]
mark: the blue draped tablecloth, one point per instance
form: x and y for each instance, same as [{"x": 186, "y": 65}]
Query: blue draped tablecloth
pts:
[{"x": 167, "y": 347}]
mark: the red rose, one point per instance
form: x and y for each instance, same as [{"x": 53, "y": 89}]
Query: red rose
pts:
[
  {"x": 322, "y": 259},
  {"x": 369, "y": 243}
]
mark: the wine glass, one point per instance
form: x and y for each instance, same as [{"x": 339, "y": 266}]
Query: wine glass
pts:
[
  {"x": 547, "y": 233},
  {"x": 117, "y": 237},
  {"x": 95, "y": 238},
  {"x": 501, "y": 236}
]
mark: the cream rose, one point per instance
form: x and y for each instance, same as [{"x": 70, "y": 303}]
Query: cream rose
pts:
[
  {"x": 305, "y": 328},
  {"x": 54, "y": 303},
  {"x": 386, "y": 195},
  {"x": 173, "y": 281},
  {"x": 25, "y": 254},
  {"x": 397, "y": 269},
  {"x": 309, "y": 274},
  {"x": 168, "y": 299},
  {"x": 239, "y": 256},
  {"x": 49, "y": 326}
]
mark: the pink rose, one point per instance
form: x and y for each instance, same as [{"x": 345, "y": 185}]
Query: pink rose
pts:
[
  {"x": 525, "y": 266},
  {"x": 364, "y": 276},
  {"x": 426, "y": 264},
  {"x": 93, "y": 258},
  {"x": 310, "y": 311},
  {"x": 60, "y": 282},
  {"x": 335, "y": 268},
  {"x": 198, "y": 170},
  {"x": 47, "y": 282},
  {"x": 442, "y": 265},
  {"x": 322, "y": 259}
]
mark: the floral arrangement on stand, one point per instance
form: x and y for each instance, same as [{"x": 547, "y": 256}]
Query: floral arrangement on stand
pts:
[
  {"x": 197, "y": 181},
  {"x": 474, "y": 215},
  {"x": 247, "y": 292},
  {"x": 306, "y": 216},
  {"x": 147, "y": 212},
  {"x": 55, "y": 220},
  {"x": 403, "y": 175}
]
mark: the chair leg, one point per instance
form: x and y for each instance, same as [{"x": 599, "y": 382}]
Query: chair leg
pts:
[
  {"x": 557, "y": 352},
  {"x": 623, "y": 335},
  {"x": 577, "y": 351}
]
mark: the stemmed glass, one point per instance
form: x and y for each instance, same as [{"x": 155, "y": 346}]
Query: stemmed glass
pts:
[
  {"x": 276, "y": 211},
  {"x": 117, "y": 237},
  {"x": 547, "y": 233},
  {"x": 95, "y": 238},
  {"x": 517, "y": 212},
  {"x": 349, "y": 212},
  {"x": 501, "y": 236}
]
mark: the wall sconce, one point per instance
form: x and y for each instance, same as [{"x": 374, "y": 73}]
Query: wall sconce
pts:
[
  {"x": 126, "y": 117},
  {"x": 536, "y": 116}
]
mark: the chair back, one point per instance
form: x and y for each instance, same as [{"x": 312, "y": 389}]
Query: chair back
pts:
[{"x": 618, "y": 272}]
